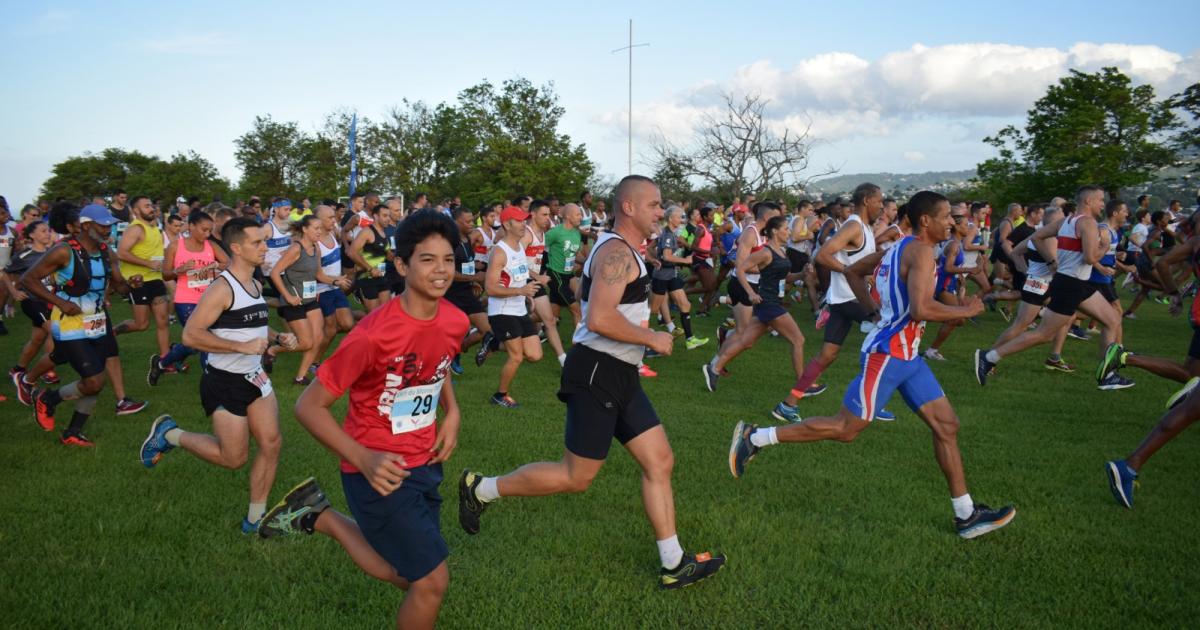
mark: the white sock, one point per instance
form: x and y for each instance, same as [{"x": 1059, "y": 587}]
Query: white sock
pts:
[
  {"x": 562, "y": 359},
  {"x": 173, "y": 436},
  {"x": 671, "y": 326},
  {"x": 487, "y": 490},
  {"x": 992, "y": 356},
  {"x": 256, "y": 511},
  {"x": 963, "y": 506},
  {"x": 670, "y": 552},
  {"x": 764, "y": 437}
]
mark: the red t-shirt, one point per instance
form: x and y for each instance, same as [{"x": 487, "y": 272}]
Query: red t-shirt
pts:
[{"x": 394, "y": 366}]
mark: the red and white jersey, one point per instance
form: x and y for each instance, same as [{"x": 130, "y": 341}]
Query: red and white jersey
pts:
[
  {"x": 1070, "y": 250},
  {"x": 534, "y": 251},
  {"x": 484, "y": 249}
]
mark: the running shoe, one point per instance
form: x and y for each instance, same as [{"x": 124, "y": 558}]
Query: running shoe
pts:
[
  {"x": 127, "y": 406},
  {"x": 1077, "y": 332},
  {"x": 644, "y": 370},
  {"x": 24, "y": 390},
  {"x": 1129, "y": 315},
  {"x": 1005, "y": 313},
  {"x": 710, "y": 377},
  {"x": 784, "y": 412},
  {"x": 982, "y": 366},
  {"x": 456, "y": 365},
  {"x": 1121, "y": 480},
  {"x": 288, "y": 516},
  {"x": 1115, "y": 381},
  {"x": 695, "y": 342},
  {"x": 51, "y": 378},
  {"x": 1093, "y": 330},
  {"x": 822, "y": 318},
  {"x": 676, "y": 332},
  {"x": 155, "y": 371},
  {"x": 983, "y": 520},
  {"x": 312, "y": 369},
  {"x": 651, "y": 353},
  {"x": 156, "y": 445},
  {"x": 1164, "y": 300},
  {"x": 816, "y": 389},
  {"x": 1059, "y": 364},
  {"x": 1183, "y": 392},
  {"x": 180, "y": 366},
  {"x": 691, "y": 569},
  {"x": 469, "y": 505},
  {"x": 722, "y": 333},
  {"x": 505, "y": 401},
  {"x": 883, "y": 415},
  {"x": 1114, "y": 359},
  {"x": 43, "y": 414},
  {"x": 303, "y": 381},
  {"x": 741, "y": 449},
  {"x": 933, "y": 354},
  {"x": 485, "y": 348},
  {"x": 76, "y": 439},
  {"x": 248, "y": 527}
]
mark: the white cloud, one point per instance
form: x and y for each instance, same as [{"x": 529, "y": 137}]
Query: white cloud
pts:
[
  {"x": 913, "y": 156},
  {"x": 197, "y": 44}
]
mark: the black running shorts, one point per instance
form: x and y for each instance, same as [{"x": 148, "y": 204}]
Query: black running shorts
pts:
[
  {"x": 738, "y": 295},
  {"x": 145, "y": 294},
  {"x": 1067, "y": 293},
  {"x": 509, "y": 327},
  {"x": 841, "y": 318},
  {"x": 86, "y": 356},
  {"x": 604, "y": 401},
  {"x": 560, "y": 289},
  {"x": 225, "y": 390}
]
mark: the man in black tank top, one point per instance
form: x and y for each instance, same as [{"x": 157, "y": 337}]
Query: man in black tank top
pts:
[
  {"x": 239, "y": 404},
  {"x": 604, "y": 397}
]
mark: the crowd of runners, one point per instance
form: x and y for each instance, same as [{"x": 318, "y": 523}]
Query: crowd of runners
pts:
[{"x": 414, "y": 287}]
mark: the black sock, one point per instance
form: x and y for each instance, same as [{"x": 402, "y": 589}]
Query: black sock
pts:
[
  {"x": 686, "y": 320},
  {"x": 51, "y": 398},
  {"x": 77, "y": 422},
  {"x": 309, "y": 521},
  {"x": 499, "y": 395}
]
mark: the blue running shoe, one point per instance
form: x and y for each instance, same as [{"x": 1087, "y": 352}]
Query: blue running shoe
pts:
[
  {"x": 784, "y": 412},
  {"x": 741, "y": 449},
  {"x": 156, "y": 444},
  {"x": 816, "y": 389},
  {"x": 456, "y": 365},
  {"x": 983, "y": 520},
  {"x": 1121, "y": 479},
  {"x": 248, "y": 527},
  {"x": 883, "y": 415}
]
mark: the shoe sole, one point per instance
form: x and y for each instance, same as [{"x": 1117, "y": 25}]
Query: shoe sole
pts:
[
  {"x": 775, "y": 414},
  {"x": 1109, "y": 388},
  {"x": 884, "y": 419},
  {"x": 1114, "y": 484},
  {"x": 153, "y": 429},
  {"x": 1183, "y": 392},
  {"x": 1102, "y": 369},
  {"x": 463, "y": 489},
  {"x": 978, "y": 358},
  {"x": 1059, "y": 369},
  {"x": 16, "y": 379},
  {"x": 733, "y": 444},
  {"x": 710, "y": 385},
  {"x": 976, "y": 532},
  {"x": 665, "y": 587},
  {"x": 269, "y": 514},
  {"x": 149, "y": 381}
]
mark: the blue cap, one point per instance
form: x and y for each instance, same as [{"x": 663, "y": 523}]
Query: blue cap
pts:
[{"x": 96, "y": 213}]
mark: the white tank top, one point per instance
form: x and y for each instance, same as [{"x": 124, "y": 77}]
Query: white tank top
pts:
[
  {"x": 244, "y": 320},
  {"x": 534, "y": 251},
  {"x": 514, "y": 276},
  {"x": 331, "y": 262},
  {"x": 753, "y": 278},
  {"x": 1070, "y": 251},
  {"x": 634, "y": 307},
  {"x": 839, "y": 289},
  {"x": 277, "y": 242},
  {"x": 482, "y": 252}
]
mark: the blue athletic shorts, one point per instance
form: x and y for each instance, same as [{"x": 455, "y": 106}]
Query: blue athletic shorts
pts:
[
  {"x": 331, "y": 301},
  {"x": 883, "y": 375},
  {"x": 403, "y": 527}
]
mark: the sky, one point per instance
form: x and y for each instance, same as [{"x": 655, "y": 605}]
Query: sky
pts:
[{"x": 880, "y": 86}]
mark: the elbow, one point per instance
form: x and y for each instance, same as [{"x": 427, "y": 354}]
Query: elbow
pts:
[{"x": 189, "y": 338}]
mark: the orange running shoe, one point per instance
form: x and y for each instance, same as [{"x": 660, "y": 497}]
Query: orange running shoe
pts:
[
  {"x": 42, "y": 413},
  {"x": 77, "y": 439},
  {"x": 644, "y": 370}
]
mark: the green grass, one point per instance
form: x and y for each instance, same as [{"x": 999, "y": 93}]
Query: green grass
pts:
[{"x": 817, "y": 535}]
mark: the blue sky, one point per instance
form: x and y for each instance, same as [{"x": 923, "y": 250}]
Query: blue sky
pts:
[{"x": 885, "y": 86}]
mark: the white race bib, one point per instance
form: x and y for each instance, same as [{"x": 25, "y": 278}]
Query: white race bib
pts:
[
  {"x": 95, "y": 325},
  {"x": 198, "y": 279},
  {"x": 308, "y": 289},
  {"x": 468, "y": 268},
  {"x": 261, "y": 380},
  {"x": 522, "y": 269},
  {"x": 1036, "y": 285},
  {"x": 415, "y": 407}
]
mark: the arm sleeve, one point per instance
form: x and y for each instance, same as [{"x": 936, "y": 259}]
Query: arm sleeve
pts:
[{"x": 348, "y": 362}]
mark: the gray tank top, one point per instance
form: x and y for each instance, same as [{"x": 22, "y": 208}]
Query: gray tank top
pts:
[{"x": 300, "y": 277}]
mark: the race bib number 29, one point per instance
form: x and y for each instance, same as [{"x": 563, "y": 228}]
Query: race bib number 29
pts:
[{"x": 415, "y": 407}]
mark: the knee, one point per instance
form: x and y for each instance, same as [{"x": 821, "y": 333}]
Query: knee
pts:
[
  {"x": 661, "y": 467},
  {"x": 945, "y": 428},
  {"x": 534, "y": 356},
  {"x": 432, "y": 586},
  {"x": 270, "y": 445},
  {"x": 234, "y": 459},
  {"x": 849, "y": 431},
  {"x": 579, "y": 481},
  {"x": 515, "y": 358},
  {"x": 91, "y": 386}
]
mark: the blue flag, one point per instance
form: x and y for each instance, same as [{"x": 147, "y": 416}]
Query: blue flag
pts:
[{"x": 353, "y": 153}]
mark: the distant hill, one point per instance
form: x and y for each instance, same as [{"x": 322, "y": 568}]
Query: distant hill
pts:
[{"x": 889, "y": 182}]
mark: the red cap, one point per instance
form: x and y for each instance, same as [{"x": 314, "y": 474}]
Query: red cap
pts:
[{"x": 513, "y": 213}]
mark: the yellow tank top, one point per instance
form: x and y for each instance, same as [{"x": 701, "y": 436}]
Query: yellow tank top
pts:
[{"x": 149, "y": 248}]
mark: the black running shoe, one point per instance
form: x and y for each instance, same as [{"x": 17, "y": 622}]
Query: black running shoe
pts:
[
  {"x": 485, "y": 348},
  {"x": 469, "y": 505},
  {"x": 691, "y": 569},
  {"x": 983, "y": 520},
  {"x": 155, "y": 371},
  {"x": 710, "y": 377},
  {"x": 983, "y": 367},
  {"x": 288, "y": 516},
  {"x": 741, "y": 449}
]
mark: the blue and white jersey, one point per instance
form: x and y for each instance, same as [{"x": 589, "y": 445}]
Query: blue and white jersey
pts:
[
  {"x": 896, "y": 334},
  {"x": 1109, "y": 259}
]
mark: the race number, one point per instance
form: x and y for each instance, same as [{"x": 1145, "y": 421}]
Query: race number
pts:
[
  {"x": 260, "y": 379},
  {"x": 468, "y": 268},
  {"x": 308, "y": 289},
  {"x": 198, "y": 279},
  {"x": 95, "y": 325},
  {"x": 415, "y": 407},
  {"x": 1036, "y": 285}
]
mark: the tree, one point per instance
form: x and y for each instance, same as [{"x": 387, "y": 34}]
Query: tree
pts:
[
  {"x": 187, "y": 174},
  {"x": 738, "y": 150},
  {"x": 1188, "y": 138},
  {"x": 136, "y": 173},
  {"x": 1088, "y": 129},
  {"x": 273, "y": 157}
]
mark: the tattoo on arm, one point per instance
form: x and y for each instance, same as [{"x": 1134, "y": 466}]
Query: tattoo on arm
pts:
[{"x": 616, "y": 266}]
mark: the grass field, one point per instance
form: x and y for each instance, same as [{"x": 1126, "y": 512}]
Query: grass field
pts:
[{"x": 828, "y": 535}]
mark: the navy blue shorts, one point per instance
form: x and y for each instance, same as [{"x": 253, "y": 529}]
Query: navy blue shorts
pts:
[
  {"x": 331, "y": 301},
  {"x": 404, "y": 527},
  {"x": 882, "y": 376},
  {"x": 766, "y": 312}
]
